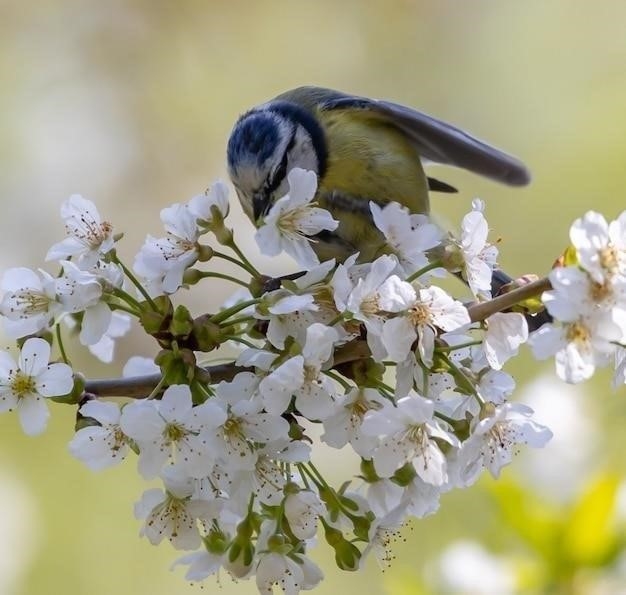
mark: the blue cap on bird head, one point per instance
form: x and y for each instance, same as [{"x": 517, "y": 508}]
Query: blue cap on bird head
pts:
[
  {"x": 265, "y": 144},
  {"x": 253, "y": 140}
]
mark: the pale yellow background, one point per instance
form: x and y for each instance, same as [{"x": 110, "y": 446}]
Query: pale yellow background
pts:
[{"x": 131, "y": 104}]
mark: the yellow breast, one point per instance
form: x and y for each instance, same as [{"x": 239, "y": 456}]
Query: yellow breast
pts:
[{"x": 368, "y": 159}]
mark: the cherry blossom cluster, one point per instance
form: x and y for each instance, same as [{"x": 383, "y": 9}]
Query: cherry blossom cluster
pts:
[
  {"x": 370, "y": 357},
  {"x": 588, "y": 302}
]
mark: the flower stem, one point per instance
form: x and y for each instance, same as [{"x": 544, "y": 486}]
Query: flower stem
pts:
[
  {"x": 127, "y": 298},
  {"x": 429, "y": 267},
  {"x": 449, "y": 348},
  {"x": 60, "y": 343},
  {"x": 228, "y": 312},
  {"x": 157, "y": 389},
  {"x": 248, "y": 268},
  {"x": 205, "y": 274},
  {"x": 465, "y": 382},
  {"x": 135, "y": 282}
]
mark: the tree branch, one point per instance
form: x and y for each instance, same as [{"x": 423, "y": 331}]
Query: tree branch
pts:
[
  {"x": 483, "y": 310},
  {"x": 138, "y": 387}
]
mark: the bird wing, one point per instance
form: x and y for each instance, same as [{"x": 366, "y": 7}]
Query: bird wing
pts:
[{"x": 437, "y": 141}]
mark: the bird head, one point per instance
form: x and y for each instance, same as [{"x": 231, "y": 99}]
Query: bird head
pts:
[{"x": 265, "y": 145}]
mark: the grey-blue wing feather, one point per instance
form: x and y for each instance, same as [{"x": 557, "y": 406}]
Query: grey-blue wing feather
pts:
[{"x": 440, "y": 142}]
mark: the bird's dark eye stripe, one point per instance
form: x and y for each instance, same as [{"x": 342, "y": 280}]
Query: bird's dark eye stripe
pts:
[{"x": 281, "y": 170}]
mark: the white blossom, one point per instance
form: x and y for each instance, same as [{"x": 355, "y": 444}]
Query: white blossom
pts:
[
  {"x": 290, "y": 575},
  {"x": 103, "y": 445},
  {"x": 166, "y": 259},
  {"x": 201, "y": 206},
  {"x": 406, "y": 434},
  {"x": 89, "y": 237},
  {"x": 586, "y": 335},
  {"x": 495, "y": 435},
  {"x": 25, "y": 384},
  {"x": 170, "y": 429},
  {"x": 302, "y": 509},
  {"x": 231, "y": 436},
  {"x": 506, "y": 331},
  {"x": 479, "y": 256},
  {"x": 293, "y": 219},
  {"x": 302, "y": 376},
  {"x": 343, "y": 426},
  {"x": 29, "y": 302},
  {"x": 419, "y": 316},
  {"x": 600, "y": 246},
  {"x": 172, "y": 513},
  {"x": 408, "y": 236}
]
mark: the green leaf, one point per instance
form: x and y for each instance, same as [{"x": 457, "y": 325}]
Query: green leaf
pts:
[{"x": 590, "y": 536}]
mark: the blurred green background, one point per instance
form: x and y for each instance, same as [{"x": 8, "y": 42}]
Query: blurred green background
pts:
[{"x": 130, "y": 103}]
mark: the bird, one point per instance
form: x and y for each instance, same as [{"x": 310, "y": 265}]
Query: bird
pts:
[{"x": 361, "y": 150}]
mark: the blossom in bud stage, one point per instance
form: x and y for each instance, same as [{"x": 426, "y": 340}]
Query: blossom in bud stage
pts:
[
  {"x": 494, "y": 436},
  {"x": 170, "y": 428},
  {"x": 29, "y": 302},
  {"x": 479, "y": 256},
  {"x": 89, "y": 237},
  {"x": 293, "y": 219},
  {"x": 103, "y": 445},
  {"x": 26, "y": 383},
  {"x": 216, "y": 196},
  {"x": 406, "y": 434},
  {"x": 166, "y": 259}
]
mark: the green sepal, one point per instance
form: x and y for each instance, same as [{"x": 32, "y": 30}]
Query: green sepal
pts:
[
  {"x": 177, "y": 367},
  {"x": 208, "y": 335},
  {"x": 76, "y": 395},
  {"x": 347, "y": 555},
  {"x": 155, "y": 322},
  {"x": 181, "y": 324}
]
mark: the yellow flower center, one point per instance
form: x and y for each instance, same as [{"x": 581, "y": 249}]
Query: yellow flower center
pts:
[
  {"x": 23, "y": 385},
  {"x": 577, "y": 332},
  {"x": 419, "y": 314},
  {"x": 310, "y": 373},
  {"x": 609, "y": 259},
  {"x": 600, "y": 291},
  {"x": 369, "y": 306},
  {"x": 174, "y": 432}
]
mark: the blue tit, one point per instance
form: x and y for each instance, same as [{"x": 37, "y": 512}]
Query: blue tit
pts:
[{"x": 362, "y": 150}]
